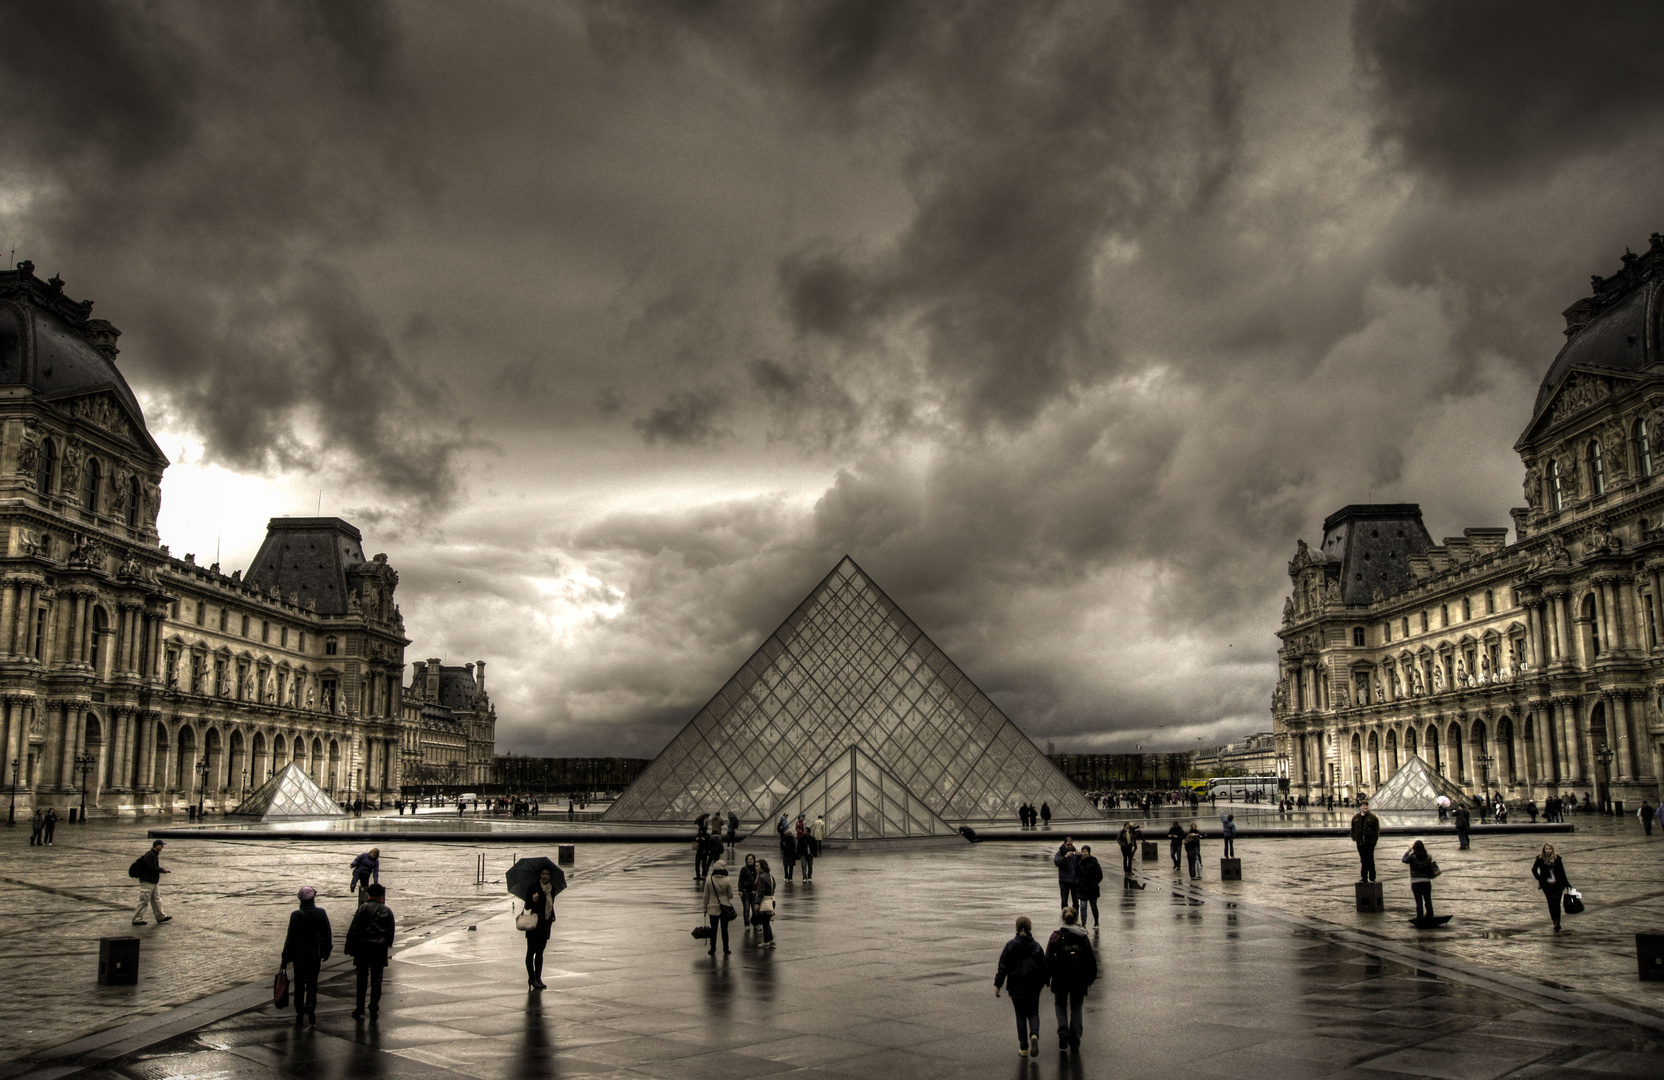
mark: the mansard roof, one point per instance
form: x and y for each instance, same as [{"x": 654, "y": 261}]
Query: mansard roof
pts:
[
  {"x": 309, "y": 556},
  {"x": 51, "y": 344},
  {"x": 1373, "y": 543}
]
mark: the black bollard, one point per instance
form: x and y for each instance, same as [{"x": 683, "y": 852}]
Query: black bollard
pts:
[
  {"x": 1369, "y": 896},
  {"x": 118, "y": 961},
  {"x": 1649, "y": 956},
  {"x": 1230, "y": 869}
]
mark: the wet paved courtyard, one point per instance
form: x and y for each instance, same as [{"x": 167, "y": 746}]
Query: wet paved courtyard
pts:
[{"x": 885, "y": 965}]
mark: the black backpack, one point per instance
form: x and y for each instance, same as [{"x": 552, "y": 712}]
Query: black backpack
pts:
[
  {"x": 133, "y": 871},
  {"x": 1071, "y": 964}
]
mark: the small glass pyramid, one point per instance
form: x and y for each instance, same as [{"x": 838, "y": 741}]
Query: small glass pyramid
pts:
[
  {"x": 289, "y": 794},
  {"x": 849, "y": 670},
  {"x": 1416, "y": 787}
]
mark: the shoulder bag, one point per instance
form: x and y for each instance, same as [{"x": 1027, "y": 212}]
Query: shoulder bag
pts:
[
  {"x": 764, "y": 905},
  {"x": 280, "y": 989}
]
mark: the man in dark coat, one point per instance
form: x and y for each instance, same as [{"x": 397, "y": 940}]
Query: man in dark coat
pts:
[
  {"x": 1071, "y": 967},
  {"x": 788, "y": 851},
  {"x": 1464, "y": 821},
  {"x": 308, "y": 945},
  {"x": 1067, "y": 860},
  {"x": 1175, "y": 841},
  {"x": 368, "y": 939},
  {"x": 1089, "y": 879},
  {"x": 1046, "y": 814},
  {"x": 148, "y": 869},
  {"x": 1366, "y": 832}
]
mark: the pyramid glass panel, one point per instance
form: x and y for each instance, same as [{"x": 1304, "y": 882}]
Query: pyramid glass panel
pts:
[
  {"x": 288, "y": 795},
  {"x": 1416, "y": 787},
  {"x": 848, "y": 673}
]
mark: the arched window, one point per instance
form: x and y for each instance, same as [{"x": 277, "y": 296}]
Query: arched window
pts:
[
  {"x": 1643, "y": 448},
  {"x": 1597, "y": 469},
  {"x": 133, "y": 502},
  {"x": 95, "y": 481},
  {"x": 1556, "y": 497},
  {"x": 46, "y": 467}
]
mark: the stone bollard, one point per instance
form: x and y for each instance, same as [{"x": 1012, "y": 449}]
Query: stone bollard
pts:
[
  {"x": 567, "y": 854},
  {"x": 118, "y": 961},
  {"x": 1230, "y": 869},
  {"x": 1152, "y": 851},
  {"x": 1649, "y": 956},
  {"x": 1369, "y": 896}
]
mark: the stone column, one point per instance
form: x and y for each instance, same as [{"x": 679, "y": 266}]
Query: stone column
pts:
[
  {"x": 1623, "y": 747},
  {"x": 146, "y": 745},
  {"x": 12, "y": 712},
  {"x": 1571, "y": 766}
]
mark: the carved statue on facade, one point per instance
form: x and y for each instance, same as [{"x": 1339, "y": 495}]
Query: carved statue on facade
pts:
[
  {"x": 1380, "y": 695},
  {"x": 1533, "y": 484},
  {"x": 1343, "y": 697},
  {"x": 1438, "y": 678},
  {"x": 28, "y": 451},
  {"x": 1484, "y": 668},
  {"x": 1288, "y": 609},
  {"x": 69, "y": 471}
]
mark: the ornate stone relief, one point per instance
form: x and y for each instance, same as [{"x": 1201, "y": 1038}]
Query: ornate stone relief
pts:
[{"x": 1578, "y": 393}]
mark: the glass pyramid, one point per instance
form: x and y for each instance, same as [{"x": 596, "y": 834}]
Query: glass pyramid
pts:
[
  {"x": 849, "y": 670},
  {"x": 289, "y": 794},
  {"x": 860, "y": 801},
  {"x": 1416, "y": 787}
]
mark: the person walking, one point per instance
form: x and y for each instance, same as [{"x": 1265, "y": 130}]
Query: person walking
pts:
[
  {"x": 306, "y": 946},
  {"x": 788, "y": 850},
  {"x": 1127, "y": 840},
  {"x": 49, "y": 827},
  {"x": 1175, "y": 842},
  {"x": 817, "y": 832},
  {"x": 719, "y": 903},
  {"x": 540, "y": 902},
  {"x": 1464, "y": 821},
  {"x": 148, "y": 869},
  {"x": 1227, "y": 823},
  {"x": 1366, "y": 833},
  {"x": 1645, "y": 814},
  {"x": 1046, "y": 814},
  {"x": 1022, "y": 971},
  {"x": 1193, "y": 850},
  {"x": 763, "y": 913},
  {"x": 806, "y": 852},
  {"x": 1550, "y": 873},
  {"x": 1067, "y": 859},
  {"x": 368, "y": 938},
  {"x": 37, "y": 823},
  {"x": 1072, "y": 967},
  {"x": 366, "y": 871},
  {"x": 1422, "y": 872},
  {"x": 748, "y": 890},
  {"x": 1089, "y": 877}
]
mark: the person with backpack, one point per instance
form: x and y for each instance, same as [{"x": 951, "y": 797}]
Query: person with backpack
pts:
[
  {"x": 148, "y": 869},
  {"x": 1089, "y": 877},
  {"x": 1022, "y": 971},
  {"x": 368, "y": 939},
  {"x": 1071, "y": 967},
  {"x": 307, "y": 945}
]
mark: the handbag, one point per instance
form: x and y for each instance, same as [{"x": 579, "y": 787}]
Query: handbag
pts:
[
  {"x": 763, "y": 906},
  {"x": 1433, "y": 869},
  {"x": 727, "y": 913},
  {"x": 526, "y": 920},
  {"x": 1573, "y": 902},
  {"x": 280, "y": 989}
]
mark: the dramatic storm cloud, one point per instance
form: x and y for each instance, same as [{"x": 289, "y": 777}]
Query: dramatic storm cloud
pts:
[{"x": 616, "y": 325}]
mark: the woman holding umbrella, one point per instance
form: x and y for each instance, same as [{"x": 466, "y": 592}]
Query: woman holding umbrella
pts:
[{"x": 536, "y": 881}]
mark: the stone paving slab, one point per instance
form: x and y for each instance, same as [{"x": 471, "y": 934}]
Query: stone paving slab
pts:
[{"x": 884, "y": 968}]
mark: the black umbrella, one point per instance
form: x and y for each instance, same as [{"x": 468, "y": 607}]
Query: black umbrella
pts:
[{"x": 523, "y": 875}]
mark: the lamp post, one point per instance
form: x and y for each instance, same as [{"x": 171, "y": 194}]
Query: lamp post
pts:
[
  {"x": 1605, "y": 755},
  {"x": 1485, "y": 762},
  {"x": 245, "y": 786},
  {"x": 11, "y": 811},
  {"x": 85, "y": 763},
  {"x": 202, "y": 768}
]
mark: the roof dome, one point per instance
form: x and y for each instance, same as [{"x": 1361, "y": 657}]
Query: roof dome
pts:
[{"x": 1616, "y": 329}]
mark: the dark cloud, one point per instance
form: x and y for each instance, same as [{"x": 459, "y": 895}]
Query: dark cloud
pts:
[
  {"x": 202, "y": 171},
  {"x": 686, "y": 419},
  {"x": 1496, "y": 92}
]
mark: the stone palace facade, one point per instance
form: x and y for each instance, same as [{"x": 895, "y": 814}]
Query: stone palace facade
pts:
[
  {"x": 148, "y": 681},
  {"x": 1525, "y": 668}
]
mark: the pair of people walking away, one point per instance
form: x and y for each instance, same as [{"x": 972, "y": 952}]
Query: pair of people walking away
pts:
[
  {"x": 1067, "y": 964},
  {"x": 368, "y": 939},
  {"x": 307, "y": 945}
]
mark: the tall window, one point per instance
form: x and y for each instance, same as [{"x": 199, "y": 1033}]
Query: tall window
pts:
[
  {"x": 1556, "y": 498},
  {"x": 1467, "y": 609},
  {"x": 1490, "y": 601},
  {"x": 225, "y": 618},
  {"x": 95, "y": 482},
  {"x": 40, "y": 634},
  {"x": 1357, "y": 635},
  {"x": 1386, "y": 630},
  {"x": 329, "y": 646},
  {"x": 100, "y": 627},
  {"x": 1597, "y": 469},
  {"x": 1424, "y": 622},
  {"x": 1404, "y": 625},
  {"x": 1643, "y": 448},
  {"x": 245, "y": 626},
  {"x": 133, "y": 502},
  {"x": 46, "y": 467},
  {"x": 1444, "y": 614}
]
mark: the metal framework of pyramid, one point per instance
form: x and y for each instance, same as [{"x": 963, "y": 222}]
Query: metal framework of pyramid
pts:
[
  {"x": 860, "y": 801},
  {"x": 849, "y": 670},
  {"x": 1416, "y": 787},
  {"x": 289, "y": 794}
]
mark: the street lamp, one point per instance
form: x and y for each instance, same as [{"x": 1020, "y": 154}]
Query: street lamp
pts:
[
  {"x": 1485, "y": 761},
  {"x": 203, "y": 768},
  {"x": 85, "y": 763},
  {"x": 11, "y": 811},
  {"x": 245, "y": 786},
  {"x": 1605, "y": 755}
]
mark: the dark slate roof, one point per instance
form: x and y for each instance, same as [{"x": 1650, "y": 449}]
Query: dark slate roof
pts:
[
  {"x": 1373, "y": 543},
  {"x": 457, "y": 688},
  {"x": 1615, "y": 340},
  {"x": 47, "y": 343},
  {"x": 309, "y": 556}
]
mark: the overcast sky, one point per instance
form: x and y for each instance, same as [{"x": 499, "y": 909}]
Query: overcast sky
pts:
[{"x": 616, "y": 325}]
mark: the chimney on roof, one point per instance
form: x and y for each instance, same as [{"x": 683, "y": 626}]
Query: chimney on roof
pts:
[
  {"x": 103, "y": 337},
  {"x": 479, "y": 674},
  {"x": 1578, "y": 315},
  {"x": 431, "y": 692}
]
